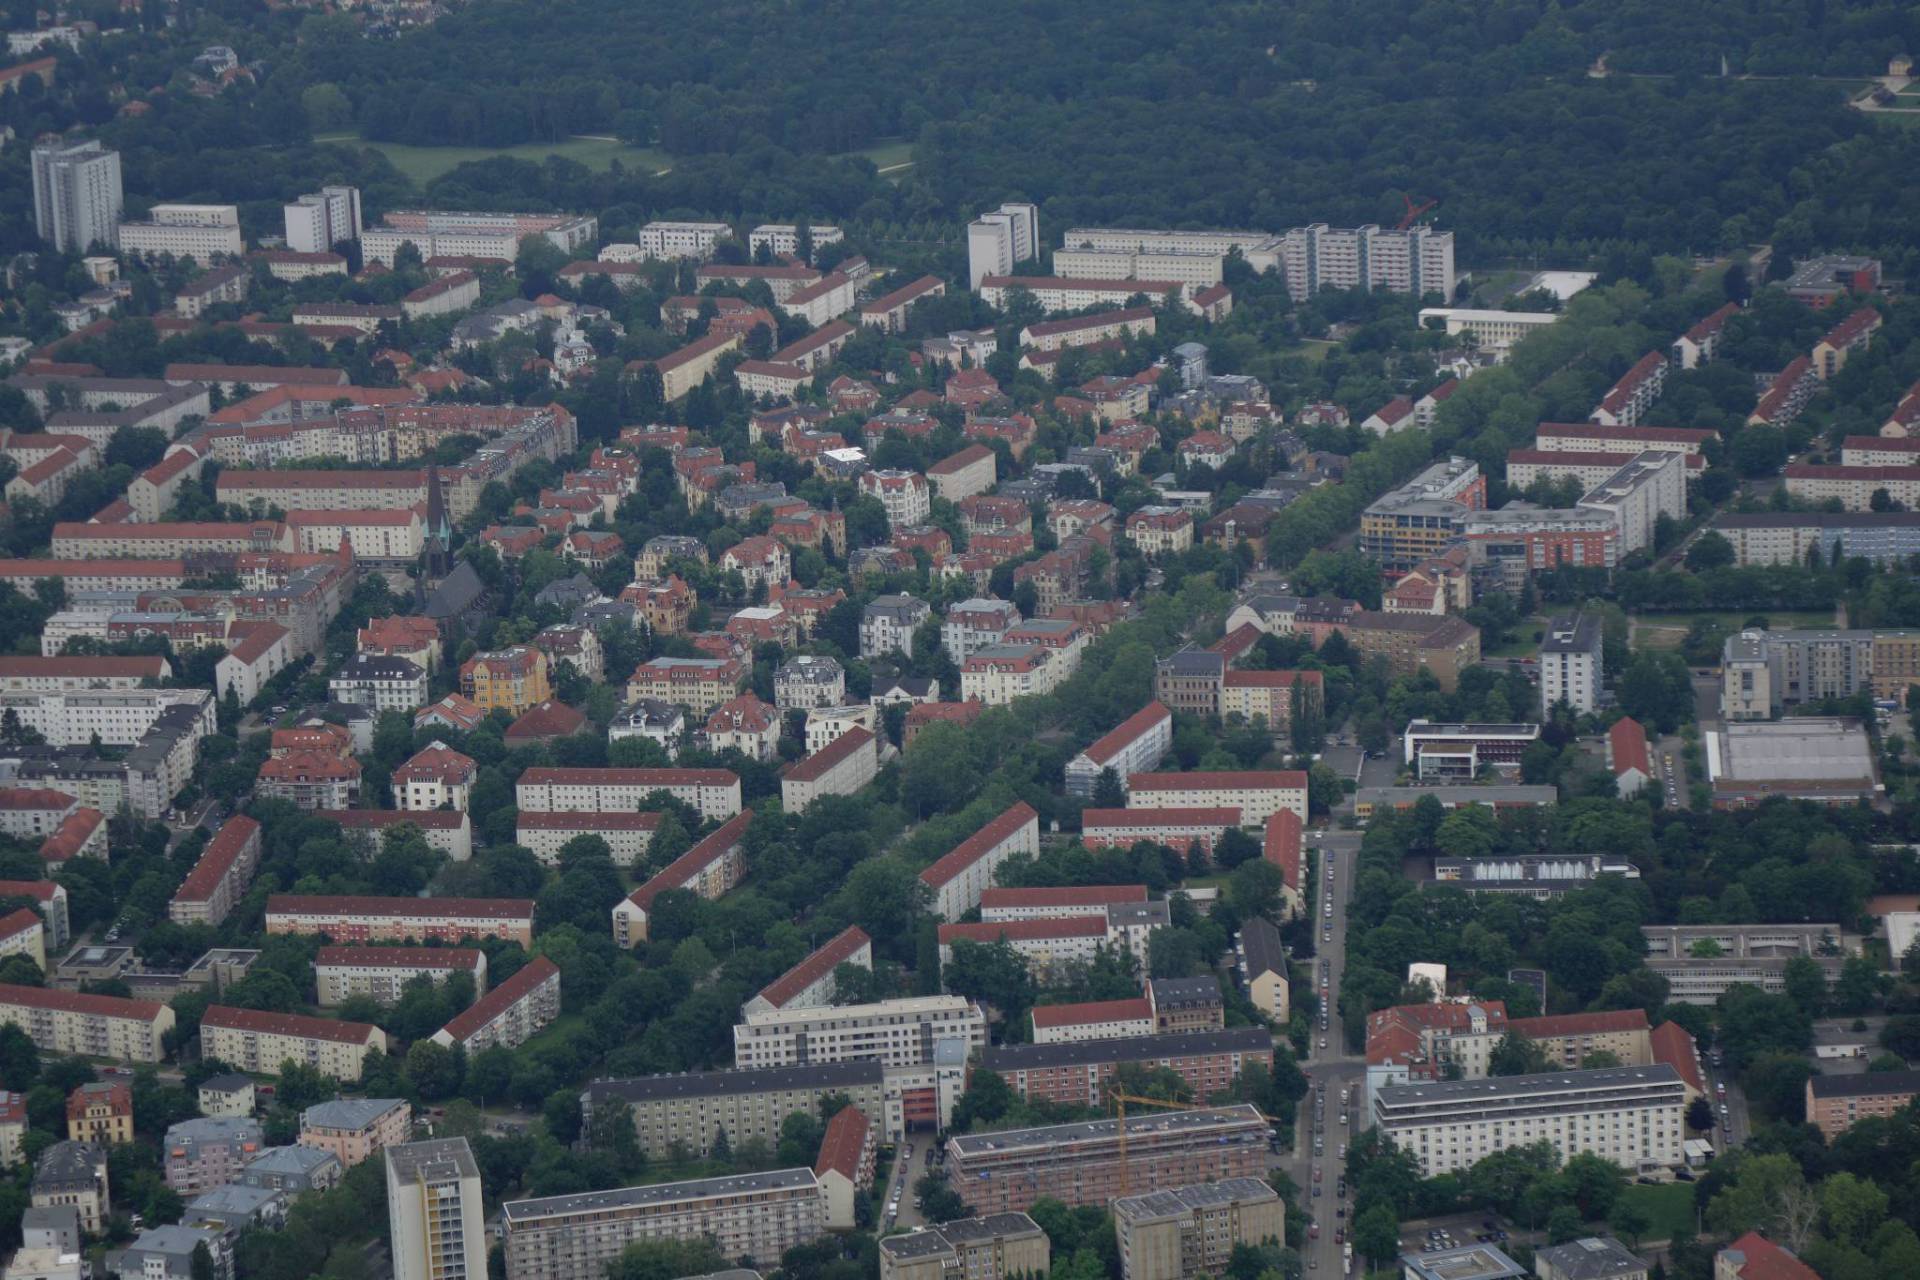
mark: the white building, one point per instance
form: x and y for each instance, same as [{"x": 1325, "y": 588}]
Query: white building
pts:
[
  {"x": 904, "y": 494},
  {"x": 1417, "y": 260},
  {"x": 321, "y": 219},
  {"x": 1137, "y": 745},
  {"x": 974, "y": 624},
  {"x": 999, "y": 240},
  {"x": 202, "y": 232},
  {"x": 1570, "y": 664},
  {"x": 887, "y": 624},
  {"x": 435, "y": 1211},
  {"x": 840, "y": 768},
  {"x": 673, "y": 240},
  {"x": 1258, "y": 794},
  {"x": 77, "y": 197},
  {"x": 118, "y": 717},
  {"x": 1494, "y": 332},
  {"x": 1636, "y": 496},
  {"x": 379, "y": 683},
  {"x": 959, "y": 877},
  {"x": 1629, "y": 1116},
  {"x": 784, "y": 237},
  {"x": 894, "y": 1033}
]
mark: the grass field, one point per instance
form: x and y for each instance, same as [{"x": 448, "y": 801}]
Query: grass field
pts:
[
  {"x": 1521, "y": 643},
  {"x": 423, "y": 164},
  {"x": 1669, "y": 1207},
  {"x": 1667, "y": 630}
]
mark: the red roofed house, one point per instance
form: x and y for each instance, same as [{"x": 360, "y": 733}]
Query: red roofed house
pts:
[
  {"x": 922, "y": 714},
  {"x": 963, "y": 474},
  {"x": 1136, "y": 745},
  {"x": 256, "y": 653},
  {"x": 81, "y": 834},
  {"x": 24, "y": 933},
  {"x": 30, "y": 812},
  {"x": 809, "y": 984},
  {"x": 1673, "y": 1044},
  {"x": 1176, "y": 828},
  {"x": 1427, "y": 408},
  {"x": 1054, "y": 902},
  {"x": 961, "y": 876},
  {"x": 1282, "y": 849},
  {"x": 311, "y": 779},
  {"x": 1854, "y": 333},
  {"x": 1754, "y": 1257},
  {"x": 451, "y": 712},
  {"x": 1395, "y": 415},
  {"x": 363, "y": 918},
  {"x": 840, "y": 768},
  {"x": 510, "y": 1014},
  {"x": 1627, "y": 402},
  {"x": 250, "y": 1040},
  {"x": 709, "y": 869},
  {"x": 436, "y": 777},
  {"x": 1568, "y": 1038},
  {"x": 744, "y": 724},
  {"x": 848, "y": 1151},
  {"x": 1628, "y": 756},
  {"x": 1256, "y": 793},
  {"x": 544, "y": 722},
  {"x": 1698, "y": 345}
]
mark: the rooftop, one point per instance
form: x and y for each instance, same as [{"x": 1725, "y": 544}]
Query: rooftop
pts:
[
  {"x": 746, "y": 1184},
  {"x": 1178, "y": 1202},
  {"x": 708, "y": 1084},
  {"x": 1592, "y": 1258},
  {"x": 1197, "y": 1121},
  {"x": 1121, "y": 1049},
  {"x": 1520, "y": 1086},
  {"x": 433, "y": 1160}
]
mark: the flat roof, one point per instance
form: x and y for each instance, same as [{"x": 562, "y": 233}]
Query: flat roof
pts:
[
  {"x": 706, "y": 1084},
  {"x": 525, "y": 1211},
  {"x": 1474, "y": 1262},
  {"x": 1802, "y": 749},
  {"x": 1032, "y": 1057},
  {"x": 1177, "y": 1202},
  {"x": 1516, "y": 1086},
  {"x": 1196, "y": 1121},
  {"x": 435, "y": 1158}
]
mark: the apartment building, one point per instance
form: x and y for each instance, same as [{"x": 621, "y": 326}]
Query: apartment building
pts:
[
  {"x": 297, "y": 490},
  {"x": 319, "y": 220},
  {"x": 1136, "y": 745},
  {"x": 23, "y": 934},
  {"x": 68, "y": 1022},
  {"x": 77, "y": 195},
  {"x": 1854, "y": 487},
  {"x": 1000, "y": 240},
  {"x": 1177, "y": 828},
  {"x": 363, "y": 919},
  {"x": 628, "y": 835},
  {"x": 514, "y": 680},
  {"x": 1628, "y": 1116},
  {"x": 1837, "y": 1103},
  {"x": 710, "y": 868},
  {"x": 1080, "y": 1163},
  {"x": 1700, "y": 962},
  {"x": 959, "y": 878},
  {"x": 261, "y": 1042},
  {"x": 1055, "y": 294},
  {"x": 1182, "y": 1232},
  {"x": 699, "y": 684},
  {"x": 1567, "y": 1038},
  {"x": 1763, "y": 672},
  {"x": 510, "y": 1014},
  {"x": 690, "y": 1108},
  {"x": 74, "y": 1175},
  {"x": 997, "y": 674},
  {"x": 445, "y": 233},
  {"x": 435, "y": 1212},
  {"x": 840, "y": 768},
  {"x": 1092, "y": 1020},
  {"x": 1263, "y": 968},
  {"x": 965, "y": 473},
  {"x": 1416, "y": 259},
  {"x": 1597, "y": 437},
  {"x": 1627, "y": 401},
  {"x": 809, "y": 681},
  {"x": 382, "y": 973},
  {"x": 220, "y": 876},
  {"x": 1654, "y": 484},
  {"x": 1419, "y": 519},
  {"x": 1570, "y": 664},
  {"x": 905, "y": 494},
  {"x": 1050, "y": 945},
  {"x": 1160, "y": 530},
  {"x": 904, "y": 1032},
  {"x": 101, "y": 1113},
  {"x": 1494, "y": 332},
  {"x": 756, "y": 1216},
  {"x": 714, "y": 793},
  {"x": 117, "y": 717},
  {"x": 446, "y": 830},
  {"x": 1525, "y": 466},
  {"x": 1000, "y": 1246},
  {"x": 49, "y": 898},
  {"x": 890, "y": 311},
  {"x": 1079, "y": 1072},
  {"x": 209, "y": 1151},
  {"x": 203, "y": 232},
  {"x": 998, "y": 906},
  {"x": 1256, "y": 794}
]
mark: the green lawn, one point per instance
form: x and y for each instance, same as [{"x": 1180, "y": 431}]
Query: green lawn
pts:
[
  {"x": 423, "y": 164},
  {"x": 1777, "y": 619},
  {"x": 1669, "y": 1207},
  {"x": 1520, "y": 643}
]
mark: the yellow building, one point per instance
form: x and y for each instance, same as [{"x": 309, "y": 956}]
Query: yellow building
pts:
[
  {"x": 101, "y": 1113},
  {"x": 514, "y": 680},
  {"x": 1896, "y": 663}
]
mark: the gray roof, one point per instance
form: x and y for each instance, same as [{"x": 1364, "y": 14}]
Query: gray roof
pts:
[
  {"x": 1194, "y": 662},
  {"x": 1261, "y": 946},
  {"x": 1474, "y": 1262},
  {"x": 657, "y": 1193},
  {"x": 347, "y": 1113},
  {"x": 1196, "y": 1121},
  {"x": 1576, "y": 634},
  {"x": 292, "y": 1160},
  {"x": 68, "y": 1161},
  {"x": 52, "y": 1217},
  {"x": 1592, "y": 1258},
  {"x": 1185, "y": 991},
  {"x": 707, "y": 1084},
  {"x": 1513, "y": 1086},
  {"x": 1029, "y": 1057},
  {"x": 374, "y": 666},
  {"x": 1495, "y": 794},
  {"x": 458, "y": 592},
  {"x": 214, "y": 1129},
  {"x": 173, "y": 1241},
  {"x": 1179, "y": 1202},
  {"x": 1139, "y": 914},
  {"x": 568, "y": 592},
  {"x": 945, "y": 1237},
  {"x": 1805, "y": 749},
  {"x": 233, "y": 1198},
  {"x": 1869, "y": 1084},
  {"x": 436, "y": 1159}
]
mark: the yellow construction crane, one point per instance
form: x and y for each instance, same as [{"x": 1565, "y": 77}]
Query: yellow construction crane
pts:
[{"x": 1120, "y": 1099}]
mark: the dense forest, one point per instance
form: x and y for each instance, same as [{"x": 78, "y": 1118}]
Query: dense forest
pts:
[{"x": 1263, "y": 115}]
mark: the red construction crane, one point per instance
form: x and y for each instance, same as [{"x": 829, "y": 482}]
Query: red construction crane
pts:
[{"x": 1414, "y": 211}]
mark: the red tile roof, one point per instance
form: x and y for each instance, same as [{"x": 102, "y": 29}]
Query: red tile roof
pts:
[
  {"x": 72, "y": 835},
  {"x": 587, "y": 820},
  {"x": 817, "y": 965},
  {"x": 402, "y": 957},
  {"x": 20, "y": 799},
  {"x": 1673, "y": 1044},
  {"x": 844, "y": 1142},
  {"x": 658, "y": 778},
  {"x": 955, "y": 462},
  {"x": 975, "y": 846},
  {"x": 1079, "y": 1015},
  {"x": 1650, "y": 435},
  {"x": 1210, "y": 780},
  {"x": 226, "y": 1017},
  {"x": 436, "y": 763},
  {"x": 1025, "y": 930},
  {"x": 1580, "y": 1024},
  {"x": 1074, "y": 895},
  {"x": 425, "y": 819},
  {"x": 217, "y": 859},
  {"x": 1102, "y": 819},
  {"x": 1629, "y": 743},
  {"x": 497, "y": 1001},
  {"x": 18, "y": 922},
  {"x": 298, "y": 904},
  {"x": 814, "y": 767},
  {"x": 1765, "y": 1260},
  {"x": 1100, "y": 320},
  {"x": 547, "y": 719},
  {"x": 693, "y": 861},
  {"x": 1271, "y": 679},
  {"x": 76, "y": 1002},
  {"x": 295, "y": 479},
  {"x": 1283, "y": 845},
  {"x": 149, "y": 666},
  {"x": 1714, "y": 323}
]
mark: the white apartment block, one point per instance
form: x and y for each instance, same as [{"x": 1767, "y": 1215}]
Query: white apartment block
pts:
[
  {"x": 77, "y": 197},
  {"x": 321, "y": 219},
  {"x": 379, "y": 683},
  {"x": 675, "y": 240},
  {"x": 384, "y": 972},
  {"x": 390, "y": 537},
  {"x": 510, "y": 1014},
  {"x": 1494, "y": 332},
  {"x": 824, "y": 724},
  {"x": 904, "y": 494},
  {"x": 974, "y": 624},
  {"x": 1098, "y": 1020},
  {"x": 1570, "y": 664},
  {"x": 1629, "y": 1116},
  {"x": 755, "y": 1216},
  {"x": 435, "y": 1211},
  {"x": 846, "y": 764},
  {"x": 998, "y": 673},
  {"x": 628, "y": 835},
  {"x": 1594, "y": 437},
  {"x": 202, "y": 232},
  {"x": 260, "y": 1042},
  {"x": 1855, "y": 486},
  {"x": 438, "y": 233},
  {"x": 894, "y": 1033},
  {"x": 1137, "y": 745},
  {"x": 715, "y": 793},
  {"x": 1195, "y": 270},
  {"x": 1417, "y": 260},
  {"x": 1636, "y": 496},
  {"x": 119, "y": 717},
  {"x": 959, "y": 877},
  {"x": 1060, "y": 293},
  {"x": 1258, "y": 795},
  {"x": 887, "y": 624},
  {"x": 998, "y": 240},
  {"x": 94, "y": 1026},
  {"x": 784, "y": 237}
]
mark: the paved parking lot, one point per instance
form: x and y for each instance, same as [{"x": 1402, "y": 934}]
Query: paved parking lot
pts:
[{"x": 1462, "y": 1228}]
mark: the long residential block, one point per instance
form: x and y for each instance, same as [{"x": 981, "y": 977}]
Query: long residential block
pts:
[
  {"x": 92, "y": 1026},
  {"x": 220, "y": 878},
  {"x": 1256, "y": 794},
  {"x": 370, "y": 919},
  {"x": 1187, "y": 1231},
  {"x": 689, "y": 1109},
  {"x": 510, "y": 1013},
  {"x": 713, "y": 866},
  {"x": 1001, "y": 1246},
  {"x": 255, "y": 1041},
  {"x": 714, "y": 792},
  {"x": 959, "y": 878},
  {"x": 894, "y": 1033},
  {"x": 1078, "y": 1073},
  {"x": 382, "y": 973},
  {"x": 1136, "y": 745},
  {"x": 809, "y": 984}
]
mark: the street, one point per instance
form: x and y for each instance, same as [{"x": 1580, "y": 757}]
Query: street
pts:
[{"x": 1337, "y": 1076}]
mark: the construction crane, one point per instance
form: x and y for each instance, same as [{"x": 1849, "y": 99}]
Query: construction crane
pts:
[
  {"x": 1120, "y": 1099},
  {"x": 1414, "y": 211}
]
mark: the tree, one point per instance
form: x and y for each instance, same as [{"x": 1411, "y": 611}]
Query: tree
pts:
[
  {"x": 1710, "y": 550},
  {"x": 1108, "y": 791},
  {"x": 1376, "y": 1234},
  {"x": 1699, "y": 1115},
  {"x": 1852, "y": 1207},
  {"x": 1515, "y": 1055},
  {"x": 200, "y": 1263},
  {"x": 1629, "y": 1219}
]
